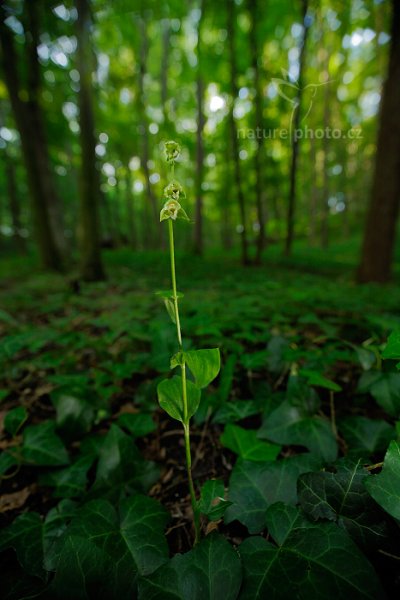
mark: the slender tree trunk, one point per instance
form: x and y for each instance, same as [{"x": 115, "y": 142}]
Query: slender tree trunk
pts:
[
  {"x": 153, "y": 225},
  {"x": 325, "y": 177},
  {"x": 233, "y": 130},
  {"x": 29, "y": 121},
  {"x": 14, "y": 205},
  {"x": 258, "y": 157},
  {"x": 198, "y": 226},
  {"x": 313, "y": 195},
  {"x": 380, "y": 230},
  {"x": 130, "y": 209},
  {"x": 295, "y": 140},
  {"x": 166, "y": 34},
  {"x": 91, "y": 263}
]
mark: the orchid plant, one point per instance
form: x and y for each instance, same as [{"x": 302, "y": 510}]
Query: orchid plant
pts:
[{"x": 180, "y": 395}]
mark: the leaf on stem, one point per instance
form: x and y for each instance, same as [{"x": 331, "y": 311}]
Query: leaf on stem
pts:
[
  {"x": 204, "y": 365},
  {"x": 170, "y": 398}
]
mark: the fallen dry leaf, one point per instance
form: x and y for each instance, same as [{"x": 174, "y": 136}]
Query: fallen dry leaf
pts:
[{"x": 16, "y": 499}]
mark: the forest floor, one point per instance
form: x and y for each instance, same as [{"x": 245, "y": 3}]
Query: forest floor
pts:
[{"x": 87, "y": 357}]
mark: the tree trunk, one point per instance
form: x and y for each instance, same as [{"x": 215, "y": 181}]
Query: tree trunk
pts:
[
  {"x": 325, "y": 167},
  {"x": 380, "y": 230},
  {"x": 152, "y": 226},
  {"x": 198, "y": 226},
  {"x": 295, "y": 140},
  {"x": 313, "y": 195},
  {"x": 233, "y": 129},
  {"x": 14, "y": 205},
  {"x": 29, "y": 121},
  {"x": 258, "y": 157},
  {"x": 130, "y": 215},
  {"x": 166, "y": 34},
  {"x": 91, "y": 263}
]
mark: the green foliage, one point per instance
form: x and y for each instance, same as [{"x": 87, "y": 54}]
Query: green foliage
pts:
[
  {"x": 24, "y": 535},
  {"x": 385, "y": 487},
  {"x": 212, "y": 501},
  {"x": 366, "y": 436},
  {"x": 104, "y": 550},
  {"x": 204, "y": 365},
  {"x": 341, "y": 497},
  {"x": 210, "y": 571},
  {"x": 170, "y": 397},
  {"x": 290, "y": 424},
  {"x": 43, "y": 447},
  {"x": 95, "y": 383},
  {"x": 245, "y": 443},
  {"x": 385, "y": 389},
  {"x": 14, "y": 419},
  {"x": 318, "y": 561},
  {"x": 392, "y": 348},
  {"x": 255, "y": 486}
]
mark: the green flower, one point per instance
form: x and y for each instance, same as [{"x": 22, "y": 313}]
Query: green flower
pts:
[
  {"x": 174, "y": 191},
  {"x": 173, "y": 210},
  {"x": 172, "y": 151}
]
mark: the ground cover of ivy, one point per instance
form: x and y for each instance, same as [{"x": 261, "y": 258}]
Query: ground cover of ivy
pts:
[{"x": 296, "y": 455}]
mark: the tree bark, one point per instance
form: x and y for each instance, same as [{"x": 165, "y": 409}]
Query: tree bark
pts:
[
  {"x": 325, "y": 178},
  {"x": 91, "y": 263},
  {"x": 30, "y": 124},
  {"x": 152, "y": 224},
  {"x": 14, "y": 205},
  {"x": 295, "y": 140},
  {"x": 130, "y": 209},
  {"x": 258, "y": 157},
  {"x": 233, "y": 129},
  {"x": 380, "y": 229},
  {"x": 198, "y": 226}
]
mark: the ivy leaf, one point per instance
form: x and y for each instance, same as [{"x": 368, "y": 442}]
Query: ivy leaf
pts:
[
  {"x": 255, "y": 486},
  {"x": 42, "y": 446},
  {"x": 211, "y": 571},
  {"x": 366, "y": 436},
  {"x": 385, "y": 487},
  {"x": 6, "y": 462},
  {"x": 14, "y": 420},
  {"x": 231, "y": 412},
  {"x": 289, "y": 424},
  {"x": 212, "y": 501},
  {"x": 74, "y": 414},
  {"x": 245, "y": 443},
  {"x": 122, "y": 466},
  {"x": 342, "y": 497},
  {"x": 315, "y": 378},
  {"x": 171, "y": 400},
  {"x": 70, "y": 482},
  {"x": 392, "y": 348},
  {"x": 384, "y": 388},
  {"x": 25, "y": 536},
  {"x": 104, "y": 551},
  {"x": 204, "y": 365},
  {"x": 281, "y": 519},
  {"x": 319, "y": 562},
  {"x": 138, "y": 424}
]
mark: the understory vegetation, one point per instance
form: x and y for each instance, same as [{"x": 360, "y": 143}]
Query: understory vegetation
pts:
[{"x": 295, "y": 445}]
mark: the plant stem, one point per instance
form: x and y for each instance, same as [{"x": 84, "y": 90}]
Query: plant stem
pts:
[{"x": 186, "y": 420}]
